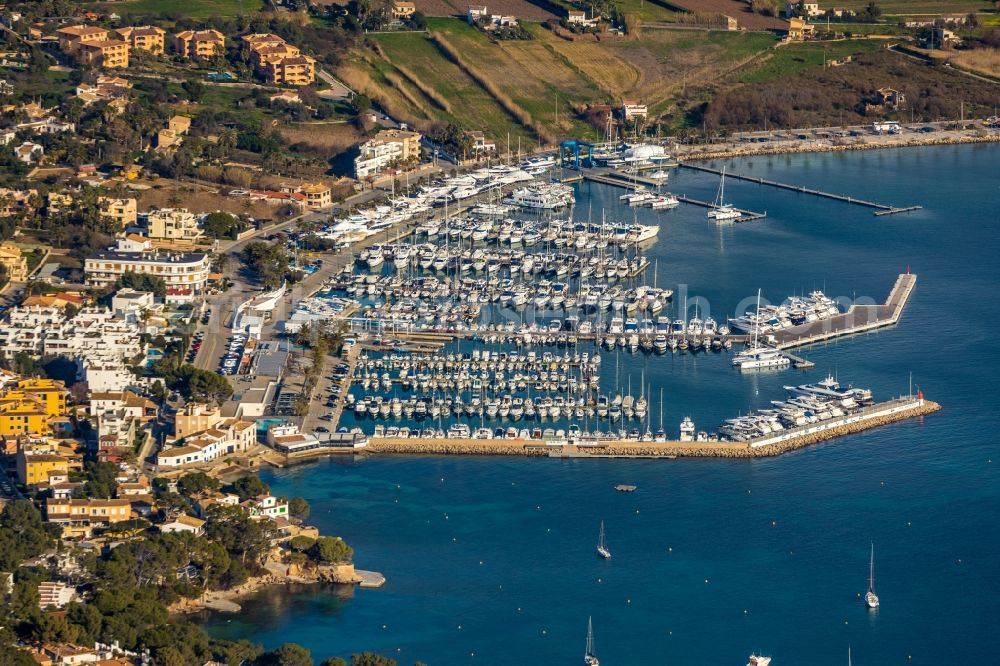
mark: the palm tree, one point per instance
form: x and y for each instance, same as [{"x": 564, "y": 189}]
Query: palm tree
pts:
[{"x": 227, "y": 139}]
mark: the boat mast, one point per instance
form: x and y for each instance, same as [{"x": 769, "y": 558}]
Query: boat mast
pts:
[
  {"x": 661, "y": 408},
  {"x": 756, "y": 323},
  {"x": 871, "y": 571},
  {"x": 590, "y": 638}
]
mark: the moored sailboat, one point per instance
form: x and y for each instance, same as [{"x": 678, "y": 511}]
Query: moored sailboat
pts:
[
  {"x": 871, "y": 599},
  {"x": 589, "y": 658},
  {"x": 602, "y": 548}
]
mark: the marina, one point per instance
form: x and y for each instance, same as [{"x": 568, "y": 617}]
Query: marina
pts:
[{"x": 805, "y": 516}]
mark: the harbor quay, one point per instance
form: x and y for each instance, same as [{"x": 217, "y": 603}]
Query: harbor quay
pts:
[{"x": 873, "y": 416}]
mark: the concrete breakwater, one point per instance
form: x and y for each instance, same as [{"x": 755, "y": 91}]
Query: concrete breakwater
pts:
[
  {"x": 757, "y": 150},
  {"x": 634, "y": 449}
]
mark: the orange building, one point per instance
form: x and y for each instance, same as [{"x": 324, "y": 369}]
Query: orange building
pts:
[
  {"x": 279, "y": 61},
  {"x": 109, "y": 53},
  {"x": 73, "y": 37},
  {"x": 198, "y": 44}
]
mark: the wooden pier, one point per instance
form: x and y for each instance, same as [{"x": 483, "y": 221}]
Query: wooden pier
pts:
[
  {"x": 858, "y": 319},
  {"x": 880, "y": 209}
]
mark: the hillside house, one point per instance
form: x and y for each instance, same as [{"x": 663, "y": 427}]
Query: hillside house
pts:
[
  {"x": 475, "y": 13},
  {"x": 633, "y": 109},
  {"x": 402, "y": 9},
  {"x": 799, "y": 30},
  {"x": 579, "y": 17},
  {"x": 481, "y": 145}
]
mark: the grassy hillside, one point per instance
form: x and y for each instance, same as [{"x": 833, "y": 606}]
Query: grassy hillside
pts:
[
  {"x": 188, "y": 8},
  {"x": 547, "y": 77},
  {"x": 913, "y": 7}
]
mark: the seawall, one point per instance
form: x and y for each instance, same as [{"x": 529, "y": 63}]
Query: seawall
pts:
[
  {"x": 718, "y": 152},
  {"x": 873, "y": 417}
]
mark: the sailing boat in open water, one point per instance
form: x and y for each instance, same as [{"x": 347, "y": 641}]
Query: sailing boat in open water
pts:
[
  {"x": 871, "y": 599},
  {"x": 720, "y": 210},
  {"x": 602, "y": 548},
  {"x": 589, "y": 658}
]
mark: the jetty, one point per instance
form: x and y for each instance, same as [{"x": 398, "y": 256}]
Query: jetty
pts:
[
  {"x": 873, "y": 416},
  {"x": 880, "y": 209},
  {"x": 633, "y": 182},
  {"x": 857, "y": 319}
]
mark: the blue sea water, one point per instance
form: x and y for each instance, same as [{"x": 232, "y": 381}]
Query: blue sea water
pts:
[{"x": 491, "y": 561}]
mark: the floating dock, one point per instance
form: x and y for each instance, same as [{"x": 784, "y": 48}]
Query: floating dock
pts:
[
  {"x": 745, "y": 215},
  {"x": 880, "y": 209},
  {"x": 631, "y": 182},
  {"x": 858, "y": 319}
]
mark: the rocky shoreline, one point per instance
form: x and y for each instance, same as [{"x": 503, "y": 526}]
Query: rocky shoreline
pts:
[
  {"x": 226, "y": 600},
  {"x": 630, "y": 449}
]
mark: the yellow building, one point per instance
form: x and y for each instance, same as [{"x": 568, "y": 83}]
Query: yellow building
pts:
[
  {"x": 197, "y": 44},
  {"x": 143, "y": 38},
  {"x": 101, "y": 511},
  {"x": 109, "y": 53},
  {"x": 402, "y": 9},
  {"x": 122, "y": 211},
  {"x": 318, "y": 195},
  {"x": 22, "y": 417},
  {"x": 14, "y": 262},
  {"x": 51, "y": 392},
  {"x": 73, "y": 37},
  {"x": 195, "y": 417},
  {"x": 297, "y": 70},
  {"x": 799, "y": 29},
  {"x": 35, "y": 468}
]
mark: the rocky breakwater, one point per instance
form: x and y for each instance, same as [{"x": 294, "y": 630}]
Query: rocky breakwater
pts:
[
  {"x": 633, "y": 449},
  {"x": 726, "y": 151},
  {"x": 479, "y": 447},
  {"x": 928, "y": 407}
]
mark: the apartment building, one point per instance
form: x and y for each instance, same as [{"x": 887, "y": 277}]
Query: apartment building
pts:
[
  {"x": 143, "y": 38},
  {"x": 77, "y": 516},
  {"x": 109, "y": 53},
  {"x": 73, "y": 37},
  {"x": 14, "y": 262},
  {"x": 199, "y": 44},
  {"x": 385, "y": 149},
  {"x": 280, "y": 62},
  {"x": 186, "y": 274},
  {"x": 315, "y": 196},
  {"x": 173, "y": 224},
  {"x": 195, "y": 417},
  {"x": 121, "y": 211},
  {"x": 36, "y": 468},
  {"x": 226, "y": 437}
]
